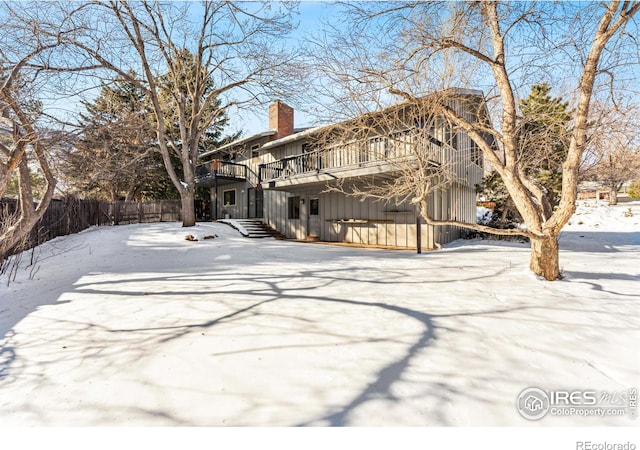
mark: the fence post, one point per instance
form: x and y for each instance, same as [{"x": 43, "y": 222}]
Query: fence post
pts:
[{"x": 116, "y": 213}]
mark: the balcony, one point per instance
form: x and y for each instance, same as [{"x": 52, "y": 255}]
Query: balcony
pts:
[
  {"x": 378, "y": 155},
  {"x": 219, "y": 172}
]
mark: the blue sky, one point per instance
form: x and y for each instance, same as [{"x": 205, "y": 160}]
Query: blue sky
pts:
[{"x": 310, "y": 21}]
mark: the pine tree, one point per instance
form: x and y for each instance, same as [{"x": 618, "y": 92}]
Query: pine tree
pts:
[
  {"x": 544, "y": 139},
  {"x": 116, "y": 157},
  {"x": 543, "y": 142}
]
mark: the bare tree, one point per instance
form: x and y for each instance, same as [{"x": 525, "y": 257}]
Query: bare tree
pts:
[
  {"x": 619, "y": 165},
  {"x": 199, "y": 60},
  {"x": 613, "y": 151},
  {"x": 417, "y": 149},
  {"x": 409, "y": 49},
  {"x": 115, "y": 155},
  {"x": 29, "y": 51}
]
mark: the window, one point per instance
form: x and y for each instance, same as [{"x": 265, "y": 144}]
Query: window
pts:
[
  {"x": 229, "y": 198},
  {"x": 314, "y": 207},
  {"x": 254, "y": 151},
  {"x": 451, "y": 136},
  {"x": 293, "y": 207},
  {"x": 476, "y": 154}
]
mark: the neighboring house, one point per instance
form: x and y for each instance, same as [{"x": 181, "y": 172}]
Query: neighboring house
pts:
[
  {"x": 592, "y": 190},
  {"x": 281, "y": 177},
  {"x": 6, "y": 129}
]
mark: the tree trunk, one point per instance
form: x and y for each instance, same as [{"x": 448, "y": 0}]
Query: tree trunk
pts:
[
  {"x": 188, "y": 207},
  {"x": 613, "y": 196},
  {"x": 503, "y": 217},
  {"x": 545, "y": 259}
]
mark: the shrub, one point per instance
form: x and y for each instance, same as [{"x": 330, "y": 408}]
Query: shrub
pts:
[{"x": 634, "y": 190}]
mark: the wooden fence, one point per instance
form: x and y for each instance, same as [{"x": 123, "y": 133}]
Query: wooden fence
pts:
[{"x": 72, "y": 215}]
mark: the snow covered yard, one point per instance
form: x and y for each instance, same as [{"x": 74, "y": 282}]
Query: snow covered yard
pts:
[{"x": 134, "y": 325}]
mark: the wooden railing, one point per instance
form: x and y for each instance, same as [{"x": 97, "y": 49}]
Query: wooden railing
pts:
[
  {"x": 354, "y": 154},
  {"x": 220, "y": 169}
]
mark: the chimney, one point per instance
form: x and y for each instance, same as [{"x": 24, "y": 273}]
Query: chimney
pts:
[{"x": 281, "y": 119}]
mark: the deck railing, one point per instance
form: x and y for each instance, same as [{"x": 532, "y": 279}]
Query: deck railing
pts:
[
  {"x": 221, "y": 169},
  {"x": 355, "y": 154}
]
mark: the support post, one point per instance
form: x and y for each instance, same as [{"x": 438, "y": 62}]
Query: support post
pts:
[
  {"x": 214, "y": 203},
  {"x": 418, "y": 231}
]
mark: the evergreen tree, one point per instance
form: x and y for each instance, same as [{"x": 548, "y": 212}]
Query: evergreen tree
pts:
[
  {"x": 543, "y": 142},
  {"x": 116, "y": 157},
  {"x": 544, "y": 139}
]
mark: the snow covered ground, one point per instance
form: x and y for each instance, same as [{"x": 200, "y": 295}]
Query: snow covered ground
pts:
[{"x": 134, "y": 325}]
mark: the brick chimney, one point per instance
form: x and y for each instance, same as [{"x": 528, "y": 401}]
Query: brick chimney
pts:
[{"x": 280, "y": 119}]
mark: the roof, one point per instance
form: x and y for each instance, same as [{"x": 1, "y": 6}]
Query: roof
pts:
[
  {"x": 292, "y": 137},
  {"x": 301, "y": 133},
  {"x": 310, "y": 131},
  {"x": 239, "y": 142}
]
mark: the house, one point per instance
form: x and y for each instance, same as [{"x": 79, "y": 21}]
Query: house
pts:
[
  {"x": 296, "y": 181},
  {"x": 592, "y": 190},
  {"x": 533, "y": 404}
]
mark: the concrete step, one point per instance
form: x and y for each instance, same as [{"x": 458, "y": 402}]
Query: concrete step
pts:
[{"x": 257, "y": 229}]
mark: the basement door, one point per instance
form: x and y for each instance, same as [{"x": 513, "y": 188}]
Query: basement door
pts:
[{"x": 314, "y": 217}]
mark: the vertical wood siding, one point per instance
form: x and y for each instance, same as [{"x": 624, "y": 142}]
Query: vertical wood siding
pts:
[{"x": 386, "y": 224}]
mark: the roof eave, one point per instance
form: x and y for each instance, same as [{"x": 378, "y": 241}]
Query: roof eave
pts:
[{"x": 238, "y": 142}]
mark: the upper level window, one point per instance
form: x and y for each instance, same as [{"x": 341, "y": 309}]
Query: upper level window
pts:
[
  {"x": 254, "y": 150},
  {"x": 476, "y": 154},
  {"x": 451, "y": 136}
]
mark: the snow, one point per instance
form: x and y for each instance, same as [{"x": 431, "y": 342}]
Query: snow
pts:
[
  {"x": 134, "y": 325},
  {"x": 235, "y": 224},
  {"x": 483, "y": 215}
]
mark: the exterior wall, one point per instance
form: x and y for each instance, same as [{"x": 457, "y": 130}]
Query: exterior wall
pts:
[
  {"x": 389, "y": 224},
  {"x": 238, "y": 211},
  {"x": 282, "y": 151},
  {"x": 276, "y": 212},
  {"x": 470, "y": 172},
  {"x": 369, "y": 222},
  {"x": 346, "y": 219},
  {"x": 458, "y": 203}
]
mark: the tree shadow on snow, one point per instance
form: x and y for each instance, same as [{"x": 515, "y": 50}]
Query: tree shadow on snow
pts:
[
  {"x": 245, "y": 292},
  {"x": 597, "y": 242}
]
